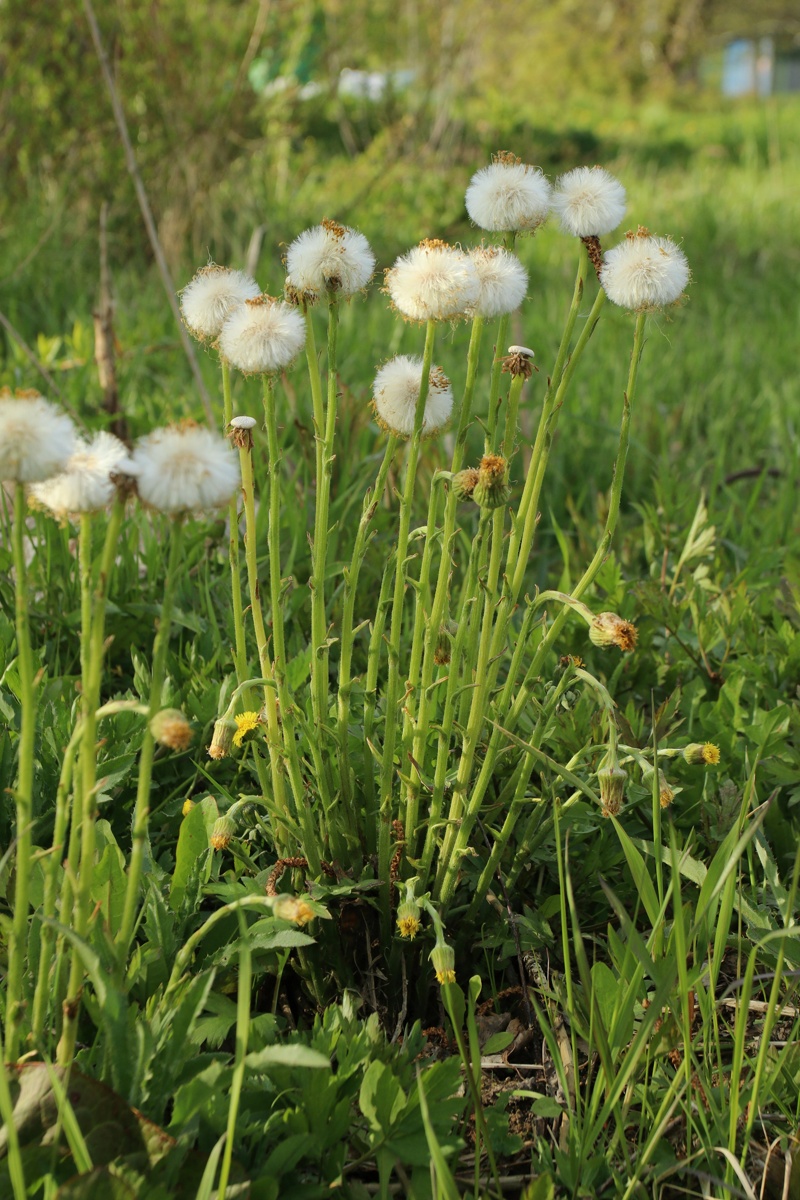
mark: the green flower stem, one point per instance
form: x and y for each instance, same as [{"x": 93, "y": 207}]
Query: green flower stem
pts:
[
  {"x": 509, "y": 242},
  {"x": 584, "y": 583},
  {"x": 240, "y": 638},
  {"x": 274, "y": 737},
  {"x": 243, "y": 998},
  {"x": 494, "y": 384},
  {"x": 141, "y": 810},
  {"x": 524, "y": 526},
  {"x": 184, "y": 956},
  {"x": 438, "y": 608},
  {"x": 484, "y": 681},
  {"x": 415, "y": 693},
  {"x": 24, "y": 791},
  {"x": 510, "y": 436},
  {"x": 371, "y": 807},
  {"x": 393, "y": 684},
  {"x": 589, "y": 575},
  {"x": 319, "y": 656},
  {"x": 523, "y": 529},
  {"x": 351, "y": 574},
  {"x": 93, "y": 606},
  {"x": 42, "y": 994},
  {"x": 302, "y": 807},
  {"x": 462, "y": 655}
]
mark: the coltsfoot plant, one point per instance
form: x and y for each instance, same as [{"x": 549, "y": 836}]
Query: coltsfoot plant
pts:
[{"x": 378, "y": 736}]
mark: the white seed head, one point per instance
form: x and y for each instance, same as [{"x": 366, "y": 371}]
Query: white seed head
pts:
[
  {"x": 262, "y": 336},
  {"x": 329, "y": 257},
  {"x": 503, "y": 281},
  {"x": 433, "y": 282},
  {"x": 185, "y": 468},
  {"x": 86, "y": 485},
  {"x": 243, "y": 422},
  {"x": 644, "y": 273},
  {"x": 36, "y": 437},
  {"x": 395, "y": 394},
  {"x": 508, "y": 196},
  {"x": 210, "y": 298},
  {"x": 589, "y": 202},
  {"x": 525, "y": 351}
]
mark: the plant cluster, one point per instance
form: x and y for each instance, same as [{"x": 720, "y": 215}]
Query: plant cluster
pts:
[{"x": 388, "y": 746}]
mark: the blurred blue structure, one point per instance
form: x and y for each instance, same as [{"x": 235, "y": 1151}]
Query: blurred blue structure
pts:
[{"x": 754, "y": 67}]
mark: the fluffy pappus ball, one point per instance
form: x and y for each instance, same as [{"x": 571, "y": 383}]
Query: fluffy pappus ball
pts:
[
  {"x": 508, "y": 196},
  {"x": 88, "y": 483},
  {"x": 184, "y": 468},
  {"x": 433, "y": 282},
  {"x": 210, "y": 298},
  {"x": 503, "y": 281},
  {"x": 262, "y": 336},
  {"x": 395, "y": 394},
  {"x": 36, "y": 437},
  {"x": 328, "y": 258},
  {"x": 644, "y": 273},
  {"x": 589, "y": 202}
]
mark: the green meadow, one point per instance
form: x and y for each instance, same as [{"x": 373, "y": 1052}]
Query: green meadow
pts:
[{"x": 624, "y": 1017}]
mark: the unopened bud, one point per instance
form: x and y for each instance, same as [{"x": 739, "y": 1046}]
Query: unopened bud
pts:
[
  {"x": 612, "y": 789},
  {"x": 223, "y": 833},
  {"x": 408, "y": 914},
  {"x": 444, "y": 962},
  {"x": 492, "y": 490},
  {"x": 665, "y": 792},
  {"x": 170, "y": 728},
  {"x": 444, "y": 643},
  {"x": 464, "y": 483},
  {"x": 607, "y": 629},
  {"x": 221, "y": 742}
]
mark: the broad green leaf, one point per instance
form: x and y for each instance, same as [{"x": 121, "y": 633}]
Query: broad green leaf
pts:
[
  {"x": 638, "y": 870},
  {"x": 193, "y": 839},
  {"x": 287, "y": 1056},
  {"x": 497, "y": 1043}
]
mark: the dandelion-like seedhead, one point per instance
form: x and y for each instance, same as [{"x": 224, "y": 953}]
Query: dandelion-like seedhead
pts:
[
  {"x": 433, "y": 282},
  {"x": 644, "y": 273},
  {"x": 262, "y": 336},
  {"x": 184, "y": 468},
  {"x": 209, "y": 299},
  {"x": 36, "y": 437},
  {"x": 395, "y": 394},
  {"x": 503, "y": 281},
  {"x": 328, "y": 258},
  {"x": 589, "y": 202},
  {"x": 89, "y": 481},
  {"x": 508, "y": 196}
]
